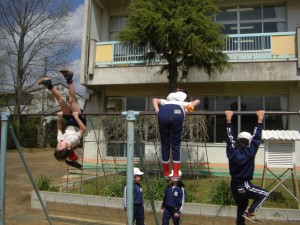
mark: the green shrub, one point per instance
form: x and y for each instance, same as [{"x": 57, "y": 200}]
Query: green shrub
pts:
[
  {"x": 44, "y": 184},
  {"x": 116, "y": 189},
  {"x": 220, "y": 194},
  {"x": 157, "y": 186}
]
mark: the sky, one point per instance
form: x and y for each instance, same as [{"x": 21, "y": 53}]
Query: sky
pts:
[{"x": 76, "y": 24}]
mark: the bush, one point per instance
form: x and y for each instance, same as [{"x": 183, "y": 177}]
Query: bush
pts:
[
  {"x": 220, "y": 194},
  {"x": 157, "y": 186},
  {"x": 116, "y": 189},
  {"x": 44, "y": 184}
]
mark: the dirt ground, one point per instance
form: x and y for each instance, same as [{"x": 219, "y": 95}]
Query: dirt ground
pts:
[{"x": 18, "y": 188}]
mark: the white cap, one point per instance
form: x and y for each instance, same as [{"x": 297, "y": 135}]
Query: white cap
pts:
[
  {"x": 136, "y": 171},
  {"x": 245, "y": 135},
  {"x": 177, "y": 96},
  {"x": 172, "y": 172}
]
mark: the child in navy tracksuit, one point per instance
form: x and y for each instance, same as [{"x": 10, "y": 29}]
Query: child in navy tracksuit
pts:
[
  {"x": 173, "y": 203},
  {"x": 138, "y": 202},
  {"x": 241, "y": 155},
  {"x": 170, "y": 120}
]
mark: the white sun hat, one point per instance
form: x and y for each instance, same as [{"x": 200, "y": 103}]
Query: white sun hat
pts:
[
  {"x": 172, "y": 173},
  {"x": 245, "y": 135},
  {"x": 136, "y": 171},
  {"x": 177, "y": 96}
]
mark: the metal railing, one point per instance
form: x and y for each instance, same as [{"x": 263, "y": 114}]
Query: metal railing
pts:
[{"x": 238, "y": 47}]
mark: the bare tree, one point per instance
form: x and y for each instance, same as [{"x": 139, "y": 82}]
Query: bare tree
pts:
[{"x": 32, "y": 31}]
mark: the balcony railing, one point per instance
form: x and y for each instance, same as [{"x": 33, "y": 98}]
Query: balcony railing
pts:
[{"x": 248, "y": 47}]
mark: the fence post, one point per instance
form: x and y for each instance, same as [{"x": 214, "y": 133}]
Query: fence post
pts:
[
  {"x": 4, "y": 124},
  {"x": 130, "y": 118}
]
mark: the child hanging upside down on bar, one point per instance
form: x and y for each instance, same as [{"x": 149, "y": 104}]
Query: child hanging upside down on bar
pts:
[{"x": 76, "y": 122}]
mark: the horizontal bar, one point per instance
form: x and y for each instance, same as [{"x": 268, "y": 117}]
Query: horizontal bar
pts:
[{"x": 154, "y": 113}]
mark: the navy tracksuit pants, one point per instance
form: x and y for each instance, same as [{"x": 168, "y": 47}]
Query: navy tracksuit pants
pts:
[
  {"x": 138, "y": 215},
  {"x": 242, "y": 191},
  {"x": 170, "y": 121},
  {"x": 168, "y": 214}
]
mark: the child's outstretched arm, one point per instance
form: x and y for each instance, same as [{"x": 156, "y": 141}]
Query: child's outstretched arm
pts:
[
  {"x": 59, "y": 118},
  {"x": 191, "y": 106},
  {"x": 260, "y": 116},
  {"x": 80, "y": 123},
  {"x": 195, "y": 103},
  {"x": 156, "y": 103}
]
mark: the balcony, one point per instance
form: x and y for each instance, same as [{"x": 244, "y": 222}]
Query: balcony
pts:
[{"x": 243, "y": 47}]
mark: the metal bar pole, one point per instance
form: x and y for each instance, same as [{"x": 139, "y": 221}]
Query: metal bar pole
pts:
[
  {"x": 4, "y": 122},
  {"x": 130, "y": 117},
  {"x": 154, "y": 113},
  {"x": 149, "y": 190},
  {"x": 28, "y": 172}
]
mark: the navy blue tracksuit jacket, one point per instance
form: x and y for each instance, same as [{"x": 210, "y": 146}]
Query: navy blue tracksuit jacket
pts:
[
  {"x": 241, "y": 167},
  {"x": 174, "y": 198},
  {"x": 138, "y": 202}
]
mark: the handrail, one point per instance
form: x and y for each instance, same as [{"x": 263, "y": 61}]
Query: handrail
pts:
[{"x": 238, "y": 46}]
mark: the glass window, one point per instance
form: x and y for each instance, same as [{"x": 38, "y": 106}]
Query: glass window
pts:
[
  {"x": 207, "y": 103},
  {"x": 136, "y": 103},
  {"x": 227, "y": 14},
  {"x": 115, "y": 104},
  {"x": 274, "y": 12},
  {"x": 250, "y": 103},
  {"x": 250, "y": 13},
  {"x": 224, "y": 103},
  {"x": 230, "y": 29},
  {"x": 119, "y": 149},
  {"x": 216, "y": 124},
  {"x": 11, "y": 101},
  {"x": 270, "y": 27},
  {"x": 115, "y": 25},
  {"x": 253, "y": 19},
  {"x": 251, "y": 28},
  {"x": 276, "y": 103}
]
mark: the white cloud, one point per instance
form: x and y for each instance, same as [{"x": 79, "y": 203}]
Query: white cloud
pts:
[
  {"x": 75, "y": 67},
  {"x": 76, "y": 23}
]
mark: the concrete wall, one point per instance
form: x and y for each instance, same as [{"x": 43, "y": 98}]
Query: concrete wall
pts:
[
  {"x": 251, "y": 71},
  {"x": 111, "y": 210},
  {"x": 293, "y": 18}
]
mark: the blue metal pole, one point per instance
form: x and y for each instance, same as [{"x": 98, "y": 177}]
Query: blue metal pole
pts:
[
  {"x": 130, "y": 117},
  {"x": 4, "y": 123}
]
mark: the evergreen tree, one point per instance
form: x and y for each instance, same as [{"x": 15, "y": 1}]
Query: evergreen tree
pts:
[{"x": 183, "y": 32}]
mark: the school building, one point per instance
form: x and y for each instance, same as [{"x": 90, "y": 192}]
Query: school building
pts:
[{"x": 263, "y": 43}]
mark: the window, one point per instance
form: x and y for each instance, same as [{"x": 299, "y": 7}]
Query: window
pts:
[
  {"x": 216, "y": 123},
  {"x": 115, "y": 104},
  {"x": 136, "y": 103},
  {"x": 119, "y": 149},
  {"x": 115, "y": 25},
  {"x": 253, "y": 19},
  {"x": 276, "y": 122},
  {"x": 120, "y": 104},
  {"x": 27, "y": 99},
  {"x": 50, "y": 100}
]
